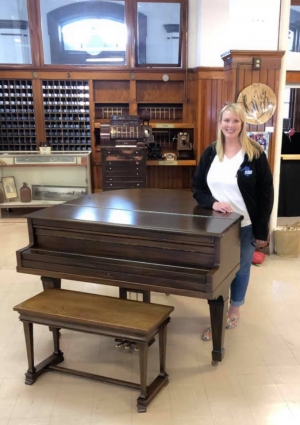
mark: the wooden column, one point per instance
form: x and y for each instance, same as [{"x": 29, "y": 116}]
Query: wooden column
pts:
[
  {"x": 239, "y": 74},
  {"x": 210, "y": 89}
]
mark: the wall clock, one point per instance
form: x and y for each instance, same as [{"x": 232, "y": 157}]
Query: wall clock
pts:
[{"x": 259, "y": 103}]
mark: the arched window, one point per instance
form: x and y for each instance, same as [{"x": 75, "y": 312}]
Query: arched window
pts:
[{"x": 87, "y": 32}]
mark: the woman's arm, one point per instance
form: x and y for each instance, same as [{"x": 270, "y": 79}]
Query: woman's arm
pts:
[{"x": 201, "y": 191}]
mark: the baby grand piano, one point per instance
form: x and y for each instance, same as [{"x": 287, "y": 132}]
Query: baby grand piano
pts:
[{"x": 139, "y": 240}]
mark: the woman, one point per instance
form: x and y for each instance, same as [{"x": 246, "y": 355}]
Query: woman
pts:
[{"x": 234, "y": 175}]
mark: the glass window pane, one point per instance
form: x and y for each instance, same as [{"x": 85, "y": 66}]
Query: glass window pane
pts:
[
  {"x": 294, "y": 30},
  {"x": 158, "y": 33},
  {"x": 86, "y": 32},
  {"x": 14, "y": 33}
]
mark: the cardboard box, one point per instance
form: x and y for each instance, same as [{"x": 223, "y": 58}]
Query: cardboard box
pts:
[{"x": 287, "y": 240}]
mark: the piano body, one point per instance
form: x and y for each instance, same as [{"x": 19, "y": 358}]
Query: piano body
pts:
[{"x": 139, "y": 240}]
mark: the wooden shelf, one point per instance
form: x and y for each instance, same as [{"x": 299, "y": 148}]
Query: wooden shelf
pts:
[
  {"x": 32, "y": 204},
  {"x": 291, "y": 157},
  {"x": 155, "y": 124},
  {"x": 180, "y": 162}
]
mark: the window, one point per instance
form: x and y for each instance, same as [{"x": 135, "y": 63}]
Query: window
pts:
[
  {"x": 158, "y": 30},
  {"x": 86, "y": 32},
  {"x": 96, "y": 37},
  {"x": 14, "y": 33},
  {"x": 294, "y": 30},
  {"x": 114, "y": 32}
]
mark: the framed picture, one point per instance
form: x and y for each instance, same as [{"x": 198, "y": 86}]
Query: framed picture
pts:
[
  {"x": 57, "y": 193},
  {"x": 9, "y": 188},
  {"x": 261, "y": 138}
]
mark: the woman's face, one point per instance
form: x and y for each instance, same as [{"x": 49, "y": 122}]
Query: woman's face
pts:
[{"x": 231, "y": 125}]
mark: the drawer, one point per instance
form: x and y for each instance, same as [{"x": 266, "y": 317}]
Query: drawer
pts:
[
  {"x": 123, "y": 185},
  {"x": 119, "y": 154},
  {"x": 120, "y": 162},
  {"x": 124, "y": 174},
  {"x": 120, "y": 179},
  {"x": 123, "y": 167}
]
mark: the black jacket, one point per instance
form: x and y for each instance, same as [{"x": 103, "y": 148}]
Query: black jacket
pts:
[{"x": 255, "y": 182}]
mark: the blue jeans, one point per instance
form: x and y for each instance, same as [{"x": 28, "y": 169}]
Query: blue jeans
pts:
[{"x": 239, "y": 284}]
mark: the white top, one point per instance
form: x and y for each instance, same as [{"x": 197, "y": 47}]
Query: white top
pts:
[{"x": 222, "y": 182}]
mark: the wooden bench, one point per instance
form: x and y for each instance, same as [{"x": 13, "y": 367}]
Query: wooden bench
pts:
[{"x": 131, "y": 320}]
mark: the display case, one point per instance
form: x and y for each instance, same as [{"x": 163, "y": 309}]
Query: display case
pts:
[{"x": 52, "y": 178}]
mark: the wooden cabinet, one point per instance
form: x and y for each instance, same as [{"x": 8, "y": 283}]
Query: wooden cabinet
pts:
[
  {"x": 67, "y": 110},
  {"x": 123, "y": 168}
]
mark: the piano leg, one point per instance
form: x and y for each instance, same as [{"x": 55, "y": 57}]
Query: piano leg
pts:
[
  {"x": 218, "y": 313},
  {"x": 51, "y": 282},
  {"x": 123, "y": 295}
]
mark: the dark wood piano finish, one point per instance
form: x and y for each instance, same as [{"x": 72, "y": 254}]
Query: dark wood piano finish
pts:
[{"x": 138, "y": 239}]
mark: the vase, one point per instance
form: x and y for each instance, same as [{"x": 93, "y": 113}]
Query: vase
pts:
[{"x": 25, "y": 193}]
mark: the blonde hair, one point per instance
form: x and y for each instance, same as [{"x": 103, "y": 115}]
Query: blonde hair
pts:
[{"x": 250, "y": 146}]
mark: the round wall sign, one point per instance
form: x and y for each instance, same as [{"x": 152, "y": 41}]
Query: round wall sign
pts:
[{"x": 259, "y": 103}]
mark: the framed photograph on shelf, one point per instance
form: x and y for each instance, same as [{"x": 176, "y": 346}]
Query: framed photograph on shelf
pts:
[
  {"x": 262, "y": 138},
  {"x": 57, "y": 193},
  {"x": 9, "y": 188}
]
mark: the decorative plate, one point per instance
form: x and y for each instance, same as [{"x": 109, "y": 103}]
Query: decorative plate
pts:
[{"x": 259, "y": 103}]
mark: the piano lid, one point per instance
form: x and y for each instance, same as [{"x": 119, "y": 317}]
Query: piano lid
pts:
[{"x": 165, "y": 210}]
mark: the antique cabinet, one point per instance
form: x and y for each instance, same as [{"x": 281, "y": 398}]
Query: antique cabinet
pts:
[{"x": 123, "y": 168}]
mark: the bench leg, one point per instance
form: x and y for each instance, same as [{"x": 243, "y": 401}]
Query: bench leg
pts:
[
  {"x": 162, "y": 351},
  {"x": 56, "y": 335},
  {"x": 34, "y": 372},
  {"x": 143, "y": 356},
  {"x": 149, "y": 392},
  {"x": 30, "y": 377}
]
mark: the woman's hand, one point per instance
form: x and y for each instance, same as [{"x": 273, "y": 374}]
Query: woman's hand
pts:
[
  {"x": 222, "y": 207},
  {"x": 261, "y": 244}
]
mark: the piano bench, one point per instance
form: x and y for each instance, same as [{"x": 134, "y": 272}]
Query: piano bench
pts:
[{"x": 131, "y": 320}]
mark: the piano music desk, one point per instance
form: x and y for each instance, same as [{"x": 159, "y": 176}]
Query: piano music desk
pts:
[
  {"x": 99, "y": 315},
  {"x": 147, "y": 240}
]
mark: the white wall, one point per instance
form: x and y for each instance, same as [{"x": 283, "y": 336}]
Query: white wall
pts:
[{"x": 224, "y": 25}]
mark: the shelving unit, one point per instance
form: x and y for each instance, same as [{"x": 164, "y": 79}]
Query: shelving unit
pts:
[
  {"x": 17, "y": 119},
  {"x": 67, "y": 114}
]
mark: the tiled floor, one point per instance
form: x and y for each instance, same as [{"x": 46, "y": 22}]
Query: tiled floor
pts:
[{"x": 258, "y": 383}]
